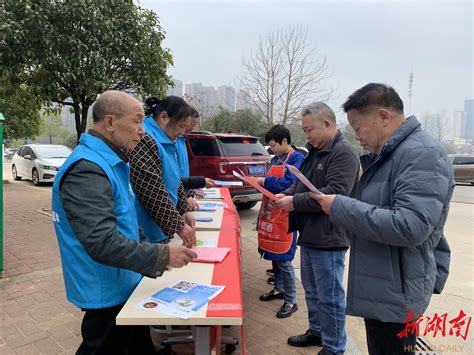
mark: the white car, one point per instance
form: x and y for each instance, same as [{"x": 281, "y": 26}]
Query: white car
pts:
[{"x": 38, "y": 162}]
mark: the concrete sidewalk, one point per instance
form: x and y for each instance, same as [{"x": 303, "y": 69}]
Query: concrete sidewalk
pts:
[{"x": 36, "y": 318}]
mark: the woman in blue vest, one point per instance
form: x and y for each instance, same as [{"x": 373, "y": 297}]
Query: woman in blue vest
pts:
[
  {"x": 103, "y": 252},
  {"x": 190, "y": 183},
  {"x": 161, "y": 204}
]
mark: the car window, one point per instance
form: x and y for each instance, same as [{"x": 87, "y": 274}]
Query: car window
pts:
[
  {"x": 302, "y": 151},
  {"x": 235, "y": 146},
  {"x": 21, "y": 151},
  {"x": 28, "y": 151},
  {"x": 46, "y": 152},
  {"x": 204, "y": 147},
  {"x": 464, "y": 160}
]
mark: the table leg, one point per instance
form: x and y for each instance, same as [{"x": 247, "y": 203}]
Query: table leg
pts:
[{"x": 202, "y": 345}]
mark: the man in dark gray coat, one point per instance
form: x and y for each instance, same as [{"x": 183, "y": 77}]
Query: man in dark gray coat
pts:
[
  {"x": 399, "y": 256},
  {"x": 332, "y": 166}
]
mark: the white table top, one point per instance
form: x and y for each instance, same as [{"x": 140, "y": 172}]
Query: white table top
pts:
[
  {"x": 214, "y": 225},
  {"x": 195, "y": 272}
]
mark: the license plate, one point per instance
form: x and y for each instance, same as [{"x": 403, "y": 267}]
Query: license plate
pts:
[{"x": 256, "y": 170}]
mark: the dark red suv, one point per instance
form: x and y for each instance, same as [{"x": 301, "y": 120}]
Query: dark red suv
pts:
[{"x": 216, "y": 155}]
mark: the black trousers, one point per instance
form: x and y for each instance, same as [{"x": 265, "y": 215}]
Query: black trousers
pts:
[
  {"x": 382, "y": 338},
  {"x": 100, "y": 335}
]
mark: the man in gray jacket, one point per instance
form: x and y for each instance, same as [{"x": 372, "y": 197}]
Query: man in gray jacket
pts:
[
  {"x": 332, "y": 166},
  {"x": 399, "y": 256}
]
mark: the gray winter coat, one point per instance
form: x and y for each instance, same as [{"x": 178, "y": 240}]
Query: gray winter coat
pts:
[{"x": 398, "y": 252}]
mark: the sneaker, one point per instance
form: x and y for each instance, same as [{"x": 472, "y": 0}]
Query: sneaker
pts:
[
  {"x": 271, "y": 280},
  {"x": 272, "y": 295},
  {"x": 287, "y": 310},
  {"x": 306, "y": 339},
  {"x": 269, "y": 272}
]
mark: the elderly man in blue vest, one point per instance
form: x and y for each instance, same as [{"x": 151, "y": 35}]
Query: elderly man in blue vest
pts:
[
  {"x": 399, "y": 255},
  {"x": 103, "y": 252}
]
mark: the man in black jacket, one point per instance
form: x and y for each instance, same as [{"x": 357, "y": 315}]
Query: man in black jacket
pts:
[{"x": 331, "y": 165}]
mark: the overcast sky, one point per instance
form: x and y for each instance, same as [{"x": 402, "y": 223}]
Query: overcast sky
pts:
[{"x": 363, "y": 42}]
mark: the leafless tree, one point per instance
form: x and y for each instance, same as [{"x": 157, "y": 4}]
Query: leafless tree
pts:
[
  {"x": 435, "y": 124},
  {"x": 283, "y": 74}
]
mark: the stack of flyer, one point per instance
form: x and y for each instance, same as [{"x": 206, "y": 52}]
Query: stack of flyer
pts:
[{"x": 182, "y": 299}]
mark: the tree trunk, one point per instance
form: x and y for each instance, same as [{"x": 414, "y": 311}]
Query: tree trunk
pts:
[
  {"x": 84, "y": 111},
  {"x": 80, "y": 117},
  {"x": 77, "y": 119}
]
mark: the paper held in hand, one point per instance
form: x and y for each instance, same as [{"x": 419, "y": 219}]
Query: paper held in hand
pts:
[
  {"x": 251, "y": 181},
  {"x": 227, "y": 183},
  {"x": 303, "y": 179}
]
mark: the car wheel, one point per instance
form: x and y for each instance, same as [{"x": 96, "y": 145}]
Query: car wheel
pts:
[
  {"x": 35, "y": 177},
  {"x": 245, "y": 205},
  {"x": 15, "y": 174}
]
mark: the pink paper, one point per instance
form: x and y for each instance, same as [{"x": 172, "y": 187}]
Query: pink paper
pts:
[
  {"x": 251, "y": 181},
  {"x": 210, "y": 255}
]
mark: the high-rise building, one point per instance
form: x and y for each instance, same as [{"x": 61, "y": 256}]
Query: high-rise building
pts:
[
  {"x": 459, "y": 124},
  {"x": 469, "y": 114},
  {"x": 226, "y": 97},
  {"x": 177, "y": 90},
  {"x": 243, "y": 100},
  {"x": 203, "y": 98}
]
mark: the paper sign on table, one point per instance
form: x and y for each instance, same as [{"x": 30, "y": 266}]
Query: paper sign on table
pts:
[
  {"x": 204, "y": 207},
  {"x": 182, "y": 299},
  {"x": 209, "y": 194},
  {"x": 303, "y": 179},
  {"x": 251, "y": 181},
  {"x": 228, "y": 183},
  {"x": 203, "y": 219},
  {"x": 213, "y": 205},
  {"x": 207, "y": 243},
  {"x": 210, "y": 255}
]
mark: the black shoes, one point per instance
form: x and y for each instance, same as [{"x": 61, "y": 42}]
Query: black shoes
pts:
[
  {"x": 324, "y": 352},
  {"x": 271, "y": 280},
  {"x": 269, "y": 272},
  {"x": 287, "y": 310},
  {"x": 304, "y": 340},
  {"x": 272, "y": 295}
]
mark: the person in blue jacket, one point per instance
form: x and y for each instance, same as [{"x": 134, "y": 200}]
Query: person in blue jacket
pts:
[
  {"x": 279, "y": 140},
  {"x": 161, "y": 202},
  {"x": 190, "y": 183},
  {"x": 103, "y": 252}
]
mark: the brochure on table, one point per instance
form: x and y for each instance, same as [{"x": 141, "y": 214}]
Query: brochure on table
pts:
[
  {"x": 210, "y": 255},
  {"x": 209, "y": 194},
  {"x": 206, "y": 206},
  {"x": 182, "y": 299}
]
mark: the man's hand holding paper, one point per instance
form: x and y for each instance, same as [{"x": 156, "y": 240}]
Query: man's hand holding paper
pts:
[
  {"x": 285, "y": 203},
  {"x": 324, "y": 200}
]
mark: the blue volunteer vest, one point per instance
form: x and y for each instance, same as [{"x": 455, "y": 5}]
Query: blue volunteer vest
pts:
[
  {"x": 171, "y": 177},
  {"x": 90, "y": 284},
  {"x": 183, "y": 159}
]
